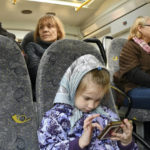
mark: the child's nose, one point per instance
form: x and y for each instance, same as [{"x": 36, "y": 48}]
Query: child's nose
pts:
[{"x": 91, "y": 105}]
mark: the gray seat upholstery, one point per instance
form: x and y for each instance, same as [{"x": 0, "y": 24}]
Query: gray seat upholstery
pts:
[
  {"x": 4, "y": 32},
  {"x": 55, "y": 61},
  {"x": 113, "y": 53},
  {"x": 17, "y": 117}
]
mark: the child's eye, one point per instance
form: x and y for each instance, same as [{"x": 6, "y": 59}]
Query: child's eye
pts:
[
  {"x": 87, "y": 98},
  {"x": 97, "y": 101}
]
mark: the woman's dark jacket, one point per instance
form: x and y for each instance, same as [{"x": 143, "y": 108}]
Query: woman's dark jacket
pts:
[
  {"x": 34, "y": 52},
  {"x": 134, "y": 65}
]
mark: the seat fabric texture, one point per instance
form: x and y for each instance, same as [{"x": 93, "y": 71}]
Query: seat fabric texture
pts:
[{"x": 18, "y": 124}]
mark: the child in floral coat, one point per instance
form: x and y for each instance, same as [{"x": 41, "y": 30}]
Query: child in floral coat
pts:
[{"x": 77, "y": 117}]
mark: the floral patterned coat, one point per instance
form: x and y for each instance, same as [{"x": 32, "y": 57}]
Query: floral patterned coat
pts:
[{"x": 55, "y": 131}]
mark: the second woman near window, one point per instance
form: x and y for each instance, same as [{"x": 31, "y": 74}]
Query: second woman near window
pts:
[{"x": 134, "y": 62}]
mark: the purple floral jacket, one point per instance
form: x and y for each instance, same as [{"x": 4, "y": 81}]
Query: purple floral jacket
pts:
[{"x": 55, "y": 132}]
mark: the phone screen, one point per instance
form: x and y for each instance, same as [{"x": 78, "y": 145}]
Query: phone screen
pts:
[{"x": 110, "y": 128}]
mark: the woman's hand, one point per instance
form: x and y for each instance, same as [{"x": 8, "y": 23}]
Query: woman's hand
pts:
[
  {"x": 126, "y": 137},
  {"x": 88, "y": 127}
]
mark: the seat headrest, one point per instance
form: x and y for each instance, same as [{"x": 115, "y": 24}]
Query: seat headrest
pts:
[
  {"x": 113, "y": 54},
  {"x": 4, "y": 32},
  {"x": 29, "y": 37},
  {"x": 54, "y": 62}
]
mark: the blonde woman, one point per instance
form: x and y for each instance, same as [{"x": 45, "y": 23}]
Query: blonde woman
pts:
[{"x": 134, "y": 73}]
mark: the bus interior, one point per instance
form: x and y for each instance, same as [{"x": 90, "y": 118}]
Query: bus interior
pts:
[{"x": 98, "y": 22}]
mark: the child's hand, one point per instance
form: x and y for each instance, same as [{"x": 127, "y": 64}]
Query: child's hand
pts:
[
  {"x": 126, "y": 137},
  {"x": 88, "y": 127}
]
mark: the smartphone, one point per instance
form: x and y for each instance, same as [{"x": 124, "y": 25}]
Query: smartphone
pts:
[{"x": 112, "y": 127}]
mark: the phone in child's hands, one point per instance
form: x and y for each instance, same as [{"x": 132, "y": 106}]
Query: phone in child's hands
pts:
[{"x": 112, "y": 127}]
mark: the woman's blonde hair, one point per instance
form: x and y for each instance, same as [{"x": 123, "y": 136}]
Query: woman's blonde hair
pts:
[
  {"x": 134, "y": 32},
  {"x": 54, "y": 21},
  {"x": 99, "y": 77}
]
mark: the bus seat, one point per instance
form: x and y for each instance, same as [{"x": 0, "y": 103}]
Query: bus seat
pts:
[
  {"x": 54, "y": 62},
  {"x": 4, "y": 32},
  {"x": 106, "y": 40},
  {"x": 113, "y": 53},
  {"x": 100, "y": 47},
  {"x": 138, "y": 115},
  {"x": 29, "y": 37},
  {"x": 17, "y": 116}
]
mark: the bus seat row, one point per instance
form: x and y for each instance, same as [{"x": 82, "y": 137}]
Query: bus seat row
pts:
[{"x": 18, "y": 118}]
